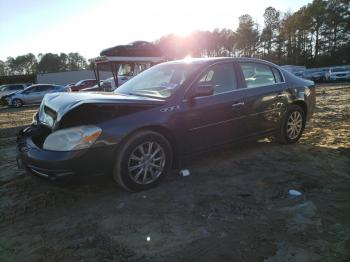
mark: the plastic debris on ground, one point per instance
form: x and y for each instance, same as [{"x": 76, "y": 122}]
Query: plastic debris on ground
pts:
[
  {"x": 184, "y": 172},
  {"x": 293, "y": 192}
]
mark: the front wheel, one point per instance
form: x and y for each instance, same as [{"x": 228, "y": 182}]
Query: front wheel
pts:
[
  {"x": 17, "y": 102},
  {"x": 292, "y": 125},
  {"x": 142, "y": 161}
]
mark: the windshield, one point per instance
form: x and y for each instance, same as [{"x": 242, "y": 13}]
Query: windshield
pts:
[
  {"x": 3, "y": 88},
  {"x": 159, "y": 81}
]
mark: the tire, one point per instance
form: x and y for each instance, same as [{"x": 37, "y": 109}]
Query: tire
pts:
[
  {"x": 292, "y": 125},
  {"x": 135, "y": 170},
  {"x": 17, "y": 102}
]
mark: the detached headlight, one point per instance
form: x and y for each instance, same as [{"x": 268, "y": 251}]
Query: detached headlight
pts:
[{"x": 74, "y": 138}]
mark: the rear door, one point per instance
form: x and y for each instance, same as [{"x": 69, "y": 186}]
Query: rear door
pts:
[
  {"x": 215, "y": 119},
  {"x": 264, "y": 97},
  {"x": 45, "y": 89}
]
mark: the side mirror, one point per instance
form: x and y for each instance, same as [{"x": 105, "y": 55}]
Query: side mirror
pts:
[{"x": 201, "y": 90}]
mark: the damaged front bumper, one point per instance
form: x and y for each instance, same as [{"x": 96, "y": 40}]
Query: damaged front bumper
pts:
[{"x": 55, "y": 165}]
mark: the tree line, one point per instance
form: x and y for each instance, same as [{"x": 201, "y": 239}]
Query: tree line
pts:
[
  {"x": 318, "y": 34},
  {"x": 43, "y": 63}
]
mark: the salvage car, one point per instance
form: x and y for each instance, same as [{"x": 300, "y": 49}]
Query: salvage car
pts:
[
  {"x": 162, "y": 115},
  {"x": 339, "y": 73},
  {"x": 317, "y": 74},
  {"x": 9, "y": 89},
  {"x": 33, "y": 94}
]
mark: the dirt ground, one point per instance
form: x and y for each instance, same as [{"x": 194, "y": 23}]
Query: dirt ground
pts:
[{"x": 234, "y": 206}]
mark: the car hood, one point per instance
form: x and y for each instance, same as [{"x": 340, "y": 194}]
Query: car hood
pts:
[
  {"x": 11, "y": 93},
  {"x": 55, "y": 106}
]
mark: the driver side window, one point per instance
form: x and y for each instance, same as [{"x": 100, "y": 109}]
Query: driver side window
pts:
[{"x": 221, "y": 77}]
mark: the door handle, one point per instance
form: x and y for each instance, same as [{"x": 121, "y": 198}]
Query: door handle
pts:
[{"x": 238, "y": 104}]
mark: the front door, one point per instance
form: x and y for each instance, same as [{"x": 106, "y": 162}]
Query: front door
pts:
[
  {"x": 218, "y": 118},
  {"x": 30, "y": 95}
]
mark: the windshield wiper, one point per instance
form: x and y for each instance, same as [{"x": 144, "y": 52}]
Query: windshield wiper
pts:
[{"x": 140, "y": 94}]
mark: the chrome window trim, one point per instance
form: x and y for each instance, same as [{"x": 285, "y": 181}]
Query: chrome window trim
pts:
[
  {"x": 238, "y": 89},
  {"x": 271, "y": 66},
  {"x": 206, "y": 68},
  {"x": 184, "y": 99}
]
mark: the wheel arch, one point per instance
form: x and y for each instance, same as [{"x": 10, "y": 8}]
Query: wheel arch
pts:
[
  {"x": 302, "y": 104},
  {"x": 19, "y": 99},
  {"x": 168, "y": 134}
]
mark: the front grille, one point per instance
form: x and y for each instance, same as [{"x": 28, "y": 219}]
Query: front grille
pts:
[{"x": 40, "y": 136}]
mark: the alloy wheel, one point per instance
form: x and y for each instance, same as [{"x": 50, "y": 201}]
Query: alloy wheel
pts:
[
  {"x": 294, "y": 125},
  {"x": 146, "y": 162},
  {"x": 17, "y": 103}
]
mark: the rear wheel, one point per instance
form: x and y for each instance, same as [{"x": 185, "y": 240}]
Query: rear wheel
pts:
[
  {"x": 292, "y": 125},
  {"x": 142, "y": 161}
]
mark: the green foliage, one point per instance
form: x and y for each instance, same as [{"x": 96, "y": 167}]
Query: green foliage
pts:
[{"x": 45, "y": 63}]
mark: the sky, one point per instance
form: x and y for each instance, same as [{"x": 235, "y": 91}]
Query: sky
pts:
[{"x": 88, "y": 26}]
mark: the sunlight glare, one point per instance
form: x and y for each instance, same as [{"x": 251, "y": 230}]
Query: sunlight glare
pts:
[{"x": 188, "y": 59}]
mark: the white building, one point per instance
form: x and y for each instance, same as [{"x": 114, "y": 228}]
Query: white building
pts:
[{"x": 64, "y": 78}]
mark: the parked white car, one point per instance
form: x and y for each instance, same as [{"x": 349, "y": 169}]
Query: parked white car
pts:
[{"x": 339, "y": 73}]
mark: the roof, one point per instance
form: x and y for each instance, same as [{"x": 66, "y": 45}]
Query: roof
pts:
[
  {"x": 134, "y": 49},
  {"x": 218, "y": 59}
]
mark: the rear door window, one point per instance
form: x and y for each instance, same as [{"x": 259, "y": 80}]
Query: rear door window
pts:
[
  {"x": 256, "y": 74},
  {"x": 43, "y": 88},
  {"x": 32, "y": 89}
]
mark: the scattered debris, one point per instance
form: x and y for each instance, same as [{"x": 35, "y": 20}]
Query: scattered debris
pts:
[
  {"x": 184, "y": 172},
  {"x": 293, "y": 192},
  {"x": 120, "y": 205}
]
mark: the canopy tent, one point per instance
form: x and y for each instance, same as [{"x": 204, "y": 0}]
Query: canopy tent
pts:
[{"x": 140, "y": 53}]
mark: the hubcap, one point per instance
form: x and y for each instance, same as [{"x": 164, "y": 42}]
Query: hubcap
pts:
[
  {"x": 16, "y": 103},
  {"x": 146, "y": 163},
  {"x": 294, "y": 125}
]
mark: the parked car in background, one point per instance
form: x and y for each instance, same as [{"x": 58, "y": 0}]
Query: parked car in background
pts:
[
  {"x": 295, "y": 70},
  {"x": 33, "y": 94},
  {"x": 317, "y": 74},
  {"x": 70, "y": 85},
  {"x": 339, "y": 73},
  {"x": 106, "y": 85},
  {"x": 166, "y": 112},
  {"x": 10, "y": 89},
  {"x": 83, "y": 84}
]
